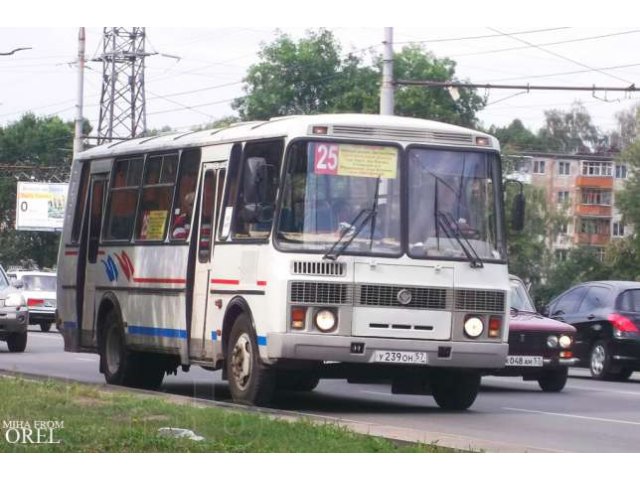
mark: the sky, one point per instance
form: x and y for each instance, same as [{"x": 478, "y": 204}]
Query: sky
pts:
[{"x": 195, "y": 72}]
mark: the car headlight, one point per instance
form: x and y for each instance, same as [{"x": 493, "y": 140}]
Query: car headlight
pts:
[
  {"x": 565, "y": 341},
  {"x": 325, "y": 320},
  {"x": 14, "y": 300},
  {"x": 552, "y": 341},
  {"x": 473, "y": 327}
]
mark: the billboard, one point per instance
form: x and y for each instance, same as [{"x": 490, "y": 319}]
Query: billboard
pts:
[{"x": 40, "y": 206}]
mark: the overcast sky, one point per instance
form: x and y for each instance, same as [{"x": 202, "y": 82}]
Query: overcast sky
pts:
[{"x": 213, "y": 61}]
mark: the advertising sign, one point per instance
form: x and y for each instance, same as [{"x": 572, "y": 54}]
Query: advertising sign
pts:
[
  {"x": 40, "y": 206},
  {"x": 354, "y": 160}
]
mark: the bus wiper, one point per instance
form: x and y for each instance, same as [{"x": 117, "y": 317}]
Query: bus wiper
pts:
[
  {"x": 363, "y": 216},
  {"x": 445, "y": 221}
]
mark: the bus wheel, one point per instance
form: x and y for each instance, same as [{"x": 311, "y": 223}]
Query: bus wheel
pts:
[
  {"x": 250, "y": 381},
  {"x": 454, "y": 390},
  {"x": 115, "y": 359},
  {"x": 297, "y": 381}
]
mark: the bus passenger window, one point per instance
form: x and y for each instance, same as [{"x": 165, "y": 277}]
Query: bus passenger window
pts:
[
  {"x": 123, "y": 198},
  {"x": 258, "y": 188},
  {"x": 181, "y": 218}
]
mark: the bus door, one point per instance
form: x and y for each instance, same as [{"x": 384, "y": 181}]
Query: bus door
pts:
[
  {"x": 89, "y": 263},
  {"x": 203, "y": 333}
]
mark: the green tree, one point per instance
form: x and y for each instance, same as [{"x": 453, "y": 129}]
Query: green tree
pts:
[
  {"x": 40, "y": 143},
  {"x": 516, "y": 138},
  {"x": 569, "y": 132}
]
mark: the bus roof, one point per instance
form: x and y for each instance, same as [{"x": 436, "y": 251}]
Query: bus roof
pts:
[{"x": 361, "y": 126}]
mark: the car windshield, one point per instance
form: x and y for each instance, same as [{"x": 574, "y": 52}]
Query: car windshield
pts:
[
  {"x": 341, "y": 198},
  {"x": 520, "y": 299},
  {"x": 39, "y": 282},
  {"x": 454, "y": 204}
]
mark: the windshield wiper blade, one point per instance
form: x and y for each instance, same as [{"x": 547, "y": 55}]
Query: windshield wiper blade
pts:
[{"x": 445, "y": 221}]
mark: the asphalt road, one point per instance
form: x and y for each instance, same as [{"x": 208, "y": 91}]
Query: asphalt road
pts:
[{"x": 509, "y": 415}]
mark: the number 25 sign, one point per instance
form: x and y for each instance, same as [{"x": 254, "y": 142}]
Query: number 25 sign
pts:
[{"x": 325, "y": 158}]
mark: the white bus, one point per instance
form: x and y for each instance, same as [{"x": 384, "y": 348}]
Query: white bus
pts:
[{"x": 332, "y": 246}]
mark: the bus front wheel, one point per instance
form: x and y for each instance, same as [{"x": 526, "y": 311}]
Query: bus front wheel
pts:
[
  {"x": 250, "y": 381},
  {"x": 454, "y": 390}
]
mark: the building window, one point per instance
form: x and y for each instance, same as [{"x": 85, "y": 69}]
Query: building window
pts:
[
  {"x": 599, "y": 253},
  {"x": 596, "y": 197},
  {"x": 594, "y": 226},
  {"x": 618, "y": 229},
  {"x": 621, "y": 171},
  {"x": 538, "y": 166},
  {"x": 596, "y": 169},
  {"x": 563, "y": 228},
  {"x": 564, "y": 168},
  {"x": 563, "y": 197},
  {"x": 561, "y": 255}
]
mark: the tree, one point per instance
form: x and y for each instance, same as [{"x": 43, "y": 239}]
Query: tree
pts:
[
  {"x": 516, "y": 138},
  {"x": 312, "y": 76},
  {"x": 39, "y": 142},
  {"x": 628, "y": 128},
  {"x": 569, "y": 132}
]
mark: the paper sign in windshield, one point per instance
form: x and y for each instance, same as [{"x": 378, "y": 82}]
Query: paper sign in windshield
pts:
[
  {"x": 153, "y": 225},
  {"x": 354, "y": 160}
]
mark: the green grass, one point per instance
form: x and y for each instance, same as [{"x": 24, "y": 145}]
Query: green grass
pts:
[{"x": 97, "y": 420}]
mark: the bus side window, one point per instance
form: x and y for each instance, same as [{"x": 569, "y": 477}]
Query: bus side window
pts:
[
  {"x": 258, "y": 188},
  {"x": 206, "y": 218},
  {"x": 81, "y": 201},
  {"x": 123, "y": 198},
  {"x": 157, "y": 193},
  {"x": 185, "y": 195},
  {"x": 230, "y": 191}
]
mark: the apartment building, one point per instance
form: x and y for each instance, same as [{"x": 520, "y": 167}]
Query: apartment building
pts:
[{"x": 584, "y": 187}]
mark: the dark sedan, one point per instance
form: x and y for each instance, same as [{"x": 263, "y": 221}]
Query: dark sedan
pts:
[
  {"x": 539, "y": 348},
  {"x": 607, "y": 318}
]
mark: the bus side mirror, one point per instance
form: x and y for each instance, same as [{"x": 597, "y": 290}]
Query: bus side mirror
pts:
[{"x": 517, "y": 213}]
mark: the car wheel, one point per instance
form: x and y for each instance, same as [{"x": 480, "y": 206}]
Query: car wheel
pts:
[
  {"x": 600, "y": 361},
  {"x": 455, "y": 390},
  {"x": 623, "y": 374},
  {"x": 250, "y": 381},
  {"x": 553, "y": 380},
  {"x": 17, "y": 342},
  {"x": 45, "y": 326}
]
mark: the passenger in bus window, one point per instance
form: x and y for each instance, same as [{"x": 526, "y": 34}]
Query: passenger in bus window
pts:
[{"x": 182, "y": 221}]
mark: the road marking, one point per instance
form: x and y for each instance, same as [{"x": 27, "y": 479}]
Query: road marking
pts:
[
  {"x": 386, "y": 394},
  {"x": 82, "y": 359},
  {"x": 602, "y": 390},
  {"x": 581, "y": 417},
  {"x": 46, "y": 336}
]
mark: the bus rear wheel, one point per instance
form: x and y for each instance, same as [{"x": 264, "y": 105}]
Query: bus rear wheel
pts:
[
  {"x": 250, "y": 381},
  {"x": 454, "y": 390}
]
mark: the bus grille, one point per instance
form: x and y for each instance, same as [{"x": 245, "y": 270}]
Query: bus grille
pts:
[
  {"x": 406, "y": 134},
  {"x": 321, "y": 293},
  {"x": 324, "y": 269},
  {"x": 479, "y": 300},
  {"x": 387, "y": 296}
]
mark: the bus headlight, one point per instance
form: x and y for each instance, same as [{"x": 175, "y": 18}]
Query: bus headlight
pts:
[
  {"x": 473, "y": 326},
  {"x": 552, "y": 341},
  {"x": 14, "y": 300},
  {"x": 565, "y": 341},
  {"x": 325, "y": 320}
]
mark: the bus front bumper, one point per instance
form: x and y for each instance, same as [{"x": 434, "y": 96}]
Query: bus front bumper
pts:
[{"x": 333, "y": 348}]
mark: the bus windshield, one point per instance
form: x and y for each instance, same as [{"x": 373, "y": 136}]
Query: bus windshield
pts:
[
  {"x": 340, "y": 197},
  {"x": 454, "y": 202}
]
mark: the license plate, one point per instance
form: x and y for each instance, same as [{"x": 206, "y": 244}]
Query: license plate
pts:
[
  {"x": 391, "y": 356},
  {"x": 523, "y": 361}
]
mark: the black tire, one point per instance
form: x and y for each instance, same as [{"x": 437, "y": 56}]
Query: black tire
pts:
[
  {"x": 45, "y": 326},
  {"x": 600, "y": 361},
  {"x": 454, "y": 390},
  {"x": 297, "y": 381},
  {"x": 17, "y": 342},
  {"x": 553, "y": 380},
  {"x": 623, "y": 374},
  {"x": 250, "y": 381},
  {"x": 122, "y": 366}
]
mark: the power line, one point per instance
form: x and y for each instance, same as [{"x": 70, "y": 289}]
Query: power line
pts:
[
  {"x": 478, "y": 37},
  {"x": 429, "y": 83}
]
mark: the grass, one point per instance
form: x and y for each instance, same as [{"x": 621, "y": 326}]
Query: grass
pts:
[{"x": 98, "y": 420}]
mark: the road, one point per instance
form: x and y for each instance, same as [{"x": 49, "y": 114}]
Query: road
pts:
[{"x": 509, "y": 415}]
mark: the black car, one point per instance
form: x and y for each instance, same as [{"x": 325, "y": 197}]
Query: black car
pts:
[{"x": 607, "y": 319}]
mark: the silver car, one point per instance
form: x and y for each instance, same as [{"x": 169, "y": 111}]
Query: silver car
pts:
[
  {"x": 14, "y": 316},
  {"x": 39, "y": 290}
]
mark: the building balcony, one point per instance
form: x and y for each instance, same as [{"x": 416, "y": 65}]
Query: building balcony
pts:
[
  {"x": 585, "y": 210},
  {"x": 594, "y": 182},
  {"x": 594, "y": 239}
]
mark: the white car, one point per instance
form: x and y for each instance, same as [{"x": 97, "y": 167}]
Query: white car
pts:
[{"x": 39, "y": 290}]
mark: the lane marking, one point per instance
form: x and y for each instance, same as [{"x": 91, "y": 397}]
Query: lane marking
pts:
[
  {"x": 386, "y": 394},
  {"x": 82, "y": 359},
  {"x": 581, "y": 417},
  {"x": 600, "y": 390}
]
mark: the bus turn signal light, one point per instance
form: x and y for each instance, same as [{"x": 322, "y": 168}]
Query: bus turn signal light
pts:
[{"x": 298, "y": 315}]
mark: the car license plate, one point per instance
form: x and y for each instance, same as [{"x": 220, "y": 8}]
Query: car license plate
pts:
[
  {"x": 523, "y": 361},
  {"x": 391, "y": 356}
]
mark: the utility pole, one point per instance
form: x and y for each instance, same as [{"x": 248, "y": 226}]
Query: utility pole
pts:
[
  {"x": 77, "y": 140},
  {"x": 122, "y": 102},
  {"x": 386, "y": 90}
]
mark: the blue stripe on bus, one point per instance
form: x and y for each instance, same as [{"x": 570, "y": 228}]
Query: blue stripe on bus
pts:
[
  {"x": 262, "y": 341},
  {"x": 70, "y": 325},
  {"x": 214, "y": 336},
  {"x": 157, "y": 332}
]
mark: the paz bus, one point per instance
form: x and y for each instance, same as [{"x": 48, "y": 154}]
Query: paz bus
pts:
[{"x": 364, "y": 247}]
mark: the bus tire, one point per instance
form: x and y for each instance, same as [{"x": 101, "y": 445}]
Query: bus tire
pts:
[
  {"x": 455, "y": 390},
  {"x": 297, "y": 381},
  {"x": 250, "y": 381},
  {"x": 116, "y": 360},
  {"x": 17, "y": 342}
]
